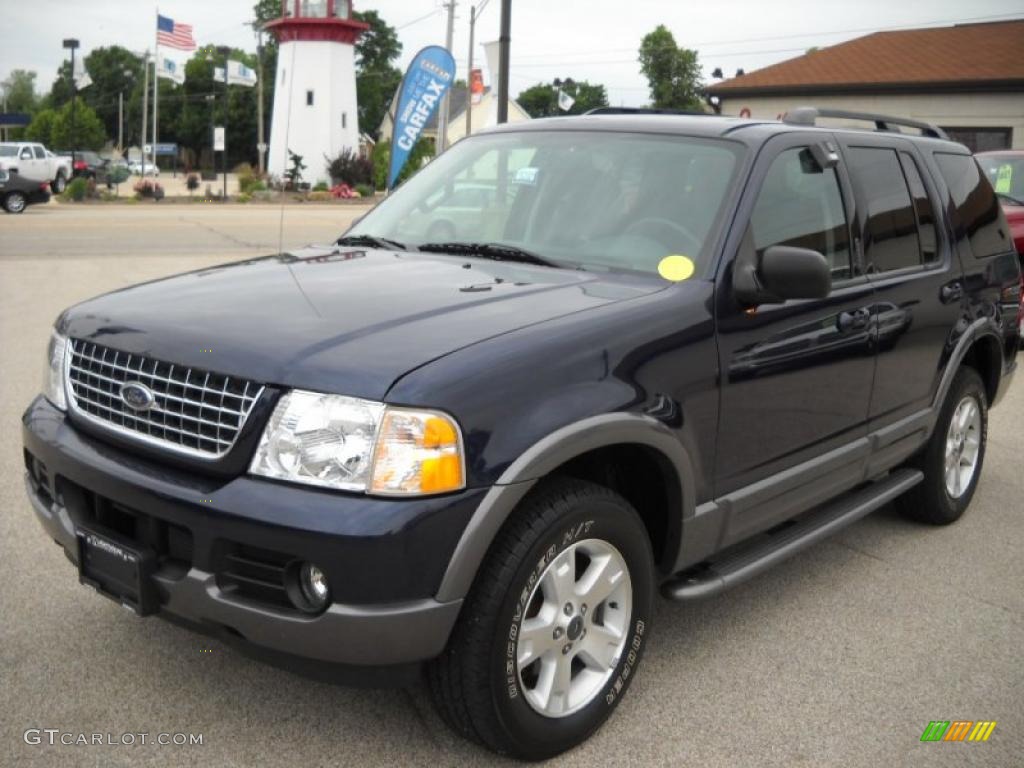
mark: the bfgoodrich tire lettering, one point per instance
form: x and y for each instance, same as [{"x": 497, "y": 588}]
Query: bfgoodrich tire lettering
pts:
[
  {"x": 931, "y": 500},
  {"x": 477, "y": 684}
]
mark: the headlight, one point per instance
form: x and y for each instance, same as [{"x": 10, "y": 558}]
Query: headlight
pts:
[
  {"x": 359, "y": 445},
  {"x": 53, "y": 374}
]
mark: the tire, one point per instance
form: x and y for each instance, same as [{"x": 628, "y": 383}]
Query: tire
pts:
[
  {"x": 479, "y": 685},
  {"x": 59, "y": 184},
  {"x": 15, "y": 202},
  {"x": 932, "y": 500}
]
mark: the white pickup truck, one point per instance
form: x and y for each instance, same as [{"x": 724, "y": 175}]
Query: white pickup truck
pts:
[{"x": 36, "y": 162}]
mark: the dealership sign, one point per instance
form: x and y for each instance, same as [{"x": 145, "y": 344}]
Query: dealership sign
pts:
[{"x": 428, "y": 78}]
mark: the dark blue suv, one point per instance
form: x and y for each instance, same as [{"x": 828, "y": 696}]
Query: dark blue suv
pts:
[{"x": 661, "y": 353}]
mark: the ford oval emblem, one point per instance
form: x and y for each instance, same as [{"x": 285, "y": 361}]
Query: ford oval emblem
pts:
[{"x": 137, "y": 396}]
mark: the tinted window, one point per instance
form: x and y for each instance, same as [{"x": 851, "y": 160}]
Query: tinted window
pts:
[
  {"x": 980, "y": 220},
  {"x": 800, "y": 205},
  {"x": 39, "y": 152},
  {"x": 890, "y": 235},
  {"x": 926, "y": 232}
]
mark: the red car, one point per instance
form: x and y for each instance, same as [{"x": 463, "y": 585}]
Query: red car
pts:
[{"x": 1005, "y": 169}]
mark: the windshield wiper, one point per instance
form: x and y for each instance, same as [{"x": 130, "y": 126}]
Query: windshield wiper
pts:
[
  {"x": 1009, "y": 198},
  {"x": 372, "y": 242},
  {"x": 495, "y": 251}
]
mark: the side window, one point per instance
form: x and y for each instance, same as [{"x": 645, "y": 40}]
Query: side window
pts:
[
  {"x": 800, "y": 205},
  {"x": 26, "y": 153},
  {"x": 926, "y": 231},
  {"x": 890, "y": 236},
  {"x": 981, "y": 221},
  {"x": 40, "y": 152}
]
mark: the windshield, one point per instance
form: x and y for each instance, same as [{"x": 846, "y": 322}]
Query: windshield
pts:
[
  {"x": 1006, "y": 174},
  {"x": 594, "y": 200},
  {"x": 8, "y": 151}
]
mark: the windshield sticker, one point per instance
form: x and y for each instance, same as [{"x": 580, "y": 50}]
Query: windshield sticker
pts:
[
  {"x": 526, "y": 176},
  {"x": 1003, "y": 179},
  {"x": 676, "y": 268}
]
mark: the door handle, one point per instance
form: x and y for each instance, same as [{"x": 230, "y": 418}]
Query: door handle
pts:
[
  {"x": 952, "y": 292},
  {"x": 849, "y": 321}
]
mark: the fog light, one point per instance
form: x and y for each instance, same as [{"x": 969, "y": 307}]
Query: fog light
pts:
[{"x": 313, "y": 588}]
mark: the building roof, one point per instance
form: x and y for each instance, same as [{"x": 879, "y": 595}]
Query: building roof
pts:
[{"x": 965, "y": 56}]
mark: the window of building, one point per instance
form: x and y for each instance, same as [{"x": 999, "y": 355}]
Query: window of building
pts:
[
  {"x": 800, "y": 205},
  {"x": 309, "y": 98},
  {"x": 980, "y": 220},
  {"x": 982, "y": 139},
  {"x": 344, "y": 120},
  {"x": 313, "y": 9},
  {"x": 890, "y": 235},
  {"x": 926, "y": 231},
  {"x": 342, "y": 8}
]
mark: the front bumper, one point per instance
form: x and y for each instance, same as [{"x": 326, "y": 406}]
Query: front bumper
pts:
[{"x": 384, "y": 558}]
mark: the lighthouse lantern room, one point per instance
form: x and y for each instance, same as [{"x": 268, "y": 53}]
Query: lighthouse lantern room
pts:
[{"x": 315, "y": 92}]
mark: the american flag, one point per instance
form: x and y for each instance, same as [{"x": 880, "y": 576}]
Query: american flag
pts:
[{"x": 174, "y": 35}]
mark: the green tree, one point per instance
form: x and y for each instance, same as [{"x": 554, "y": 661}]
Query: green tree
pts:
[
  {"x": 20, "y": 96},
  {"x": 60, "y": 91},
  {"x": 377, "y": 78},
  {"x": 41, "y": 127},
  {"x": 114, "y": 70},
  {"x": 264, "y": 11},
  {"x": 541, "y": 100},
  {"x": 673, "y": 73},
  {"x": 86, "y": 132}
]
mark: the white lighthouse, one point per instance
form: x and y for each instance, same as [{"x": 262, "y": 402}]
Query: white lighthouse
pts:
[{"x": 315, "y": 92}]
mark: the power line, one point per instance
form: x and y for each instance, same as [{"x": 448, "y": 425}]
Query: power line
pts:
[{"x": 417, "y": 21}]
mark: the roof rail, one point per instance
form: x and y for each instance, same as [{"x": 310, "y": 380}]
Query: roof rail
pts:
[
  {"x": 643, "y": 111},
  {"x": 809, "y": 116}
]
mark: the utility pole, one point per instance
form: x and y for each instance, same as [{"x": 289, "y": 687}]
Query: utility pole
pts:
[
  {"x": 260, "y": 142},
  {"x": 474, "y": 14},
  {"x": 120, "y": 122},
  {"x": 442, "y": 117},
  {"x": 72, "y": 44},
  {"x": 145, "y": 112},
  {"x": 504, "y": 50}
]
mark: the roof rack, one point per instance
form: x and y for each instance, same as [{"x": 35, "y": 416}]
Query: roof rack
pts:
[
  {"x": 643, "y": 111},
  {"x": 809, "y": 115}
]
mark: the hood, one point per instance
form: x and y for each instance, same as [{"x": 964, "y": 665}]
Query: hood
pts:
[{"x": 336, "y": 319}]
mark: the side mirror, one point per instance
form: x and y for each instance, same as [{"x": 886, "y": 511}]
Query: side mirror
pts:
[
  {"x": 795, "y": 273},
  {"x": 782, "y": 273}
]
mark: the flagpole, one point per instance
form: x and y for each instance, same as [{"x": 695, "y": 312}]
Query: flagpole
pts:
[
  {"x": 145, "y": 112},
  {"x": 156, "y": 90}
]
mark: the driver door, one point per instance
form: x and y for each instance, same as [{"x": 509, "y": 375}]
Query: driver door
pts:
[{"x": 796, "y": 376}]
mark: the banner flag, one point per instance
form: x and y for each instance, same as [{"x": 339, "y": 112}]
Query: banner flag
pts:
[
  {"x": 565, "y": 101},
  {"x": 168, "y": 68},
  {"x": 80, "y": 75},
  {"x": 428, "y": 78},
  {"x": 239, "y": 74}
]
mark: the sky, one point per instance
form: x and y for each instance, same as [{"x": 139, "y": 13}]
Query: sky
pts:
[{"x": 595, "y": 40}]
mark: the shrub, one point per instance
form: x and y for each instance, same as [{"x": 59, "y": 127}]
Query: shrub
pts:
[
  {"x": 319, "y": 196},
  {"x": 192, "y": 183},
  {"x": 294, "y": 172},
  {"x": 244, "y": 197},
  {"x": 321, "y": 186},
  {"x": 148, "y": 188},
  {"x": 364, "y": 190},
  {"x": 76, "y": 190},
  {"x": 349, "y": 168}
]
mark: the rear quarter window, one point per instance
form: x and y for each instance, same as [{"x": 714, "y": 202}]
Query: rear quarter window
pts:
[{"x": 979, "y": 218}]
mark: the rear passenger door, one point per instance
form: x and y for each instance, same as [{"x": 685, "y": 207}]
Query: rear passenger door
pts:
[{"x": 907, "y": 258}]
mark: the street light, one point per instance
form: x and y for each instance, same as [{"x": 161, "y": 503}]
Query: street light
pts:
[
  {"x": 71, "y": 44},
  {"x": 225, "y": 51}
]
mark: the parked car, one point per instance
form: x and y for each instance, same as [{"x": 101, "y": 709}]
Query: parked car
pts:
[
  {"x": 143, "y": 168},
  {"x": 87, "y": 164},
  {"x": 33, "y": 161},
  {"x": 1005, "y": 171},
  {"x": 484, "y": 458},
  {"x": 17, "y": 192}
]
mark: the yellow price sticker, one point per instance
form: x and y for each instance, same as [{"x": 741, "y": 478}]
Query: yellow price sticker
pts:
[{"x": 676, "y": 268}]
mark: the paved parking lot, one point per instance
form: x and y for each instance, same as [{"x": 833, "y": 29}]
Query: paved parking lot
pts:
[{"x": 838, "y": 658}]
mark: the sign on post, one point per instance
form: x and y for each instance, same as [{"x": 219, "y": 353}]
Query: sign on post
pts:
[
  {"x": 218, "y": 138},
  {"x": 166, "y": 149}
]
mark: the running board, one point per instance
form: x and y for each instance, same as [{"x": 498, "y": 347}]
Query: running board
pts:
[{"x": 748, "y": 560}]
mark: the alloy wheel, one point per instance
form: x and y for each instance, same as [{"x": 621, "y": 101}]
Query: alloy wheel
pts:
[{"x": 963, "y": 444}]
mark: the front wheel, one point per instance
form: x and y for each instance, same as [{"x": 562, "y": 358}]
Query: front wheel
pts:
[
  {"x": 14, "y": 202},
  {"x": 553, "y": 630},
  {"x": 953, "y": 457}
]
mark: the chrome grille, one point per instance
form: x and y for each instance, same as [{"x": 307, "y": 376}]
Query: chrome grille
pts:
[{"x": 194, "y": 412}]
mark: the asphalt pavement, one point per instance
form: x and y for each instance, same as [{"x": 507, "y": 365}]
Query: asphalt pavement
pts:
[{"x": 838, "y": 657}]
